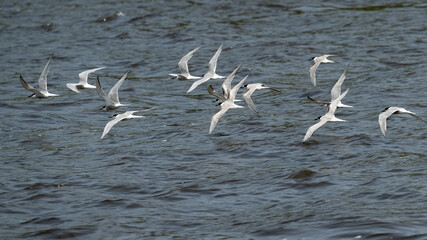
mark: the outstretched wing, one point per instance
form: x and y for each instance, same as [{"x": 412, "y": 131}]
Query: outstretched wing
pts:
[
  {"x": 214, "y": 60},
  {"x": 216, "y": 117},
  {"x": 43, "y": 77},
  {"x": 336, "y": 90},
  {"x": 85, "y": 74},
  {"x": 183, "y": 63},
  {"x": 226, "y": 85},
  {"x": 113, "y": 122},
  {"x": 313, "y": 128},
  {"x": 313, "y": 72},
  {"x": 114, "y": 92},
  {"x": 212, "y": 92},
  {"x": 205, "y": 78},
  {"x": 28, "y": 87},
  {"x": 99, "y": 90},
  {"x": 73, "y": 87},
  {"x": 248, "y": 100}
]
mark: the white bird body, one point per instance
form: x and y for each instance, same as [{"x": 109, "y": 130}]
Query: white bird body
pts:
[
  {"x": 183, "y": 66},
  {"x": 317, "y": 61},
  {"x": 382, "y": 118},
  {"x": 228, "y": 104},
  {"x": 42, "y": 92},
  {"x": 82, "y": 84},
  {"x": 120, "y": 117},
  {"x": 328, "y": 117},
  {"x": 112, "y": 99},
  {"x": 211, "y": 74}
]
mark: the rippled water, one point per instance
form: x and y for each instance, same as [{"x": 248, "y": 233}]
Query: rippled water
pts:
[{"x": 164, "y": 176}]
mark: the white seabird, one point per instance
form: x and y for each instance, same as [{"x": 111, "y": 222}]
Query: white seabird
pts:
[
  {"x": 317, "y": 61},
  {"x": 42, "y": 92},
  {"x": 250, "y": 90},
  {"x": 183, "y": 66},
  {"x": 211, "y": 74},
  {"x": 82, "y": 84},
  {"x": 228, "y": 104},
  {"x": 112, "y": 99},
  {"x": 120, "y": 117},
  {"x": 328, "y": 117},
  {"x": 382, "y": 118}
]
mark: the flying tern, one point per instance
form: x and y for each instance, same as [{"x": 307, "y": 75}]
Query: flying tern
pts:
[
  {"x": 317, "y": 61},
  {"x": 42, "y": 92},
  {"x": 250, "y": 90},
  {"x": 112, "y": 99},
  {"x": 382, "y": 118},
  {"x": 120, "y": 117},
  {"x": 211, "y": 72},
  {"x": 328, "y": 117},
  {"x": 82, "y": 84},
  {"x": 183, "y": 66},
  {"x": 228, "y": 104}
]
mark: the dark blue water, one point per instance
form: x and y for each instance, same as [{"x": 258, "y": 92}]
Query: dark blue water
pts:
[{"x": 164, "y": 176}]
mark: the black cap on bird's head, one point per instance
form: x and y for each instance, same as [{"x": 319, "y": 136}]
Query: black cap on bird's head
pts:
[
  {"x": 318, "y": 118},
  {"x": 385, "y": 109}
]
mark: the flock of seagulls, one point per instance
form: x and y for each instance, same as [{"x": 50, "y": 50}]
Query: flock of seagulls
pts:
[{"x": 227, "y": 100}]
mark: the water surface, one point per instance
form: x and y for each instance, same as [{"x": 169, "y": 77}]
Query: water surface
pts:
[{"x": 164, "y": 176}]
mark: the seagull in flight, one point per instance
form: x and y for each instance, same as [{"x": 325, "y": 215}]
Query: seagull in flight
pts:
[
  {"x": 120, "y": 117},
  {"x": 250, "y": 90},
  {"x": 211, "y": 72},
  {"x": 112, "y": 99},
  {"x": 228, "y": 104},
  {"x": 183, "y": 66},
  {"x": 317, "y": 61},
  {"x": 387, "y": 112},
  {"x": 82, "y": 84},
  {"x": 42, "y": 93},
  {"x": 328, "y": 117},
  {"x": 335, "y": 91}
]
